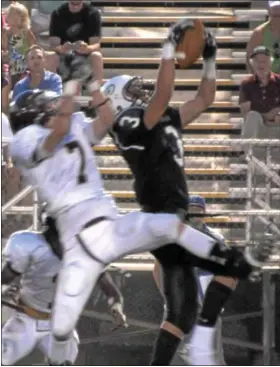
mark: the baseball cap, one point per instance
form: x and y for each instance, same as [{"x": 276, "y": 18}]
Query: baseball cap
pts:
[
  {"x": 196, "y": 200},
  {"x": 273, "y": 3},
  {"x": 260, "y": 50}
]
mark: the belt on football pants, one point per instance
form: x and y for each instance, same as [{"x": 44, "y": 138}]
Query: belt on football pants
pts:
[{"x": 32, "y": 312}]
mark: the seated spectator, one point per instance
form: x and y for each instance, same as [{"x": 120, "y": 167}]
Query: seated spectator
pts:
[
  {"x": 259, "y": 98},
  {"x": 17, "y": 37},
  {"x": 268, "y": 34},
  {"x": 38, "y": 77},
  {"x": 75, "y": 27}
]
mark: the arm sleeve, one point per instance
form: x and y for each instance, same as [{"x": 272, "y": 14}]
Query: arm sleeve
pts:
[
  {"x": 15, "y": 253},
  {"x": 95, "y": 22},
  {"x": 56, "y": 84}
]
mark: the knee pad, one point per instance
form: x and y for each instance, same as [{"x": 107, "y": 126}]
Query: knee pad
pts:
[
  {"x": 180, "y": 290},
  {"x": 74, "y": 287},
  {"x": 164, "y": 227}
]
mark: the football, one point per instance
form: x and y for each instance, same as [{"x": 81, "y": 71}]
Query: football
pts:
[{"x": 191, "y": 45}]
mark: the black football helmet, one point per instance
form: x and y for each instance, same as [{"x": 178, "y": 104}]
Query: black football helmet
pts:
[{"x": 32, "y": 107}]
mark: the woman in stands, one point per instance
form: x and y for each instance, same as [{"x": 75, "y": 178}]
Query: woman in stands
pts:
[{"x": 17, "y": 37}]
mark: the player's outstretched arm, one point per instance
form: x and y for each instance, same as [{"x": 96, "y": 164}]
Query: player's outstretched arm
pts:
[
  {"x": 115, "y": 298},
  {"x": 207, "y": 89},
  {"x": 166, "y": 74},
  {"x": 105, "y": 118}
]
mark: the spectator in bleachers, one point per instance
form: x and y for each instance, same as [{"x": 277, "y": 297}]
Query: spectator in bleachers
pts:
[
  {"x": 37, "y": 76},
  {"x": 259, "y": 98},
  {"x": 268, "y": 34},
  {"x": 17, "y": 37},
  {"x": 76, "y": 27}
]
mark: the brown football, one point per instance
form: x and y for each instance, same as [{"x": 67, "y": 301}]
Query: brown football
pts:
[{"x": 192, "y": 44}]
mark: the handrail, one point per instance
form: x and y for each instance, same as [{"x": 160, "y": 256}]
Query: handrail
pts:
[
  {"x": 231, "y": 142},
  {"x": 16, "y": 199},
  {"x": 262, "y": 167}
]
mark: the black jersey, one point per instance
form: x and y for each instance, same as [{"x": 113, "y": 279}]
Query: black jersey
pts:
[{"x": 155, "y": 157}]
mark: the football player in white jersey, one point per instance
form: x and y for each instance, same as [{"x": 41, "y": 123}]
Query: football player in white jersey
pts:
[
  {"x": 33, "y": 259},
  {"x": 52, "y": 147}
]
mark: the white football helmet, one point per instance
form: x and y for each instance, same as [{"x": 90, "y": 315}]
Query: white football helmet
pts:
[{"x": 126, "y": 91}]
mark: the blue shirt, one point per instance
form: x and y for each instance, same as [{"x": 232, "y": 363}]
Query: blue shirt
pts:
[{"x": 51, "y": 81}]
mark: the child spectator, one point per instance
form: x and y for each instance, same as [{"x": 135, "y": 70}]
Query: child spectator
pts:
[{"x": 17, "y": 37}]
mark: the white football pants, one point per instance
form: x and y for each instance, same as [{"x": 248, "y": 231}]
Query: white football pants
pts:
[
  {"x": 21, "y": 334},
  {"x": 87, "y": 250}
]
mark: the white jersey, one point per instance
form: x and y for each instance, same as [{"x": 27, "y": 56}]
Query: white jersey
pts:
[
  {"x": 68, "y": 176},
  {"x": 30, "y": 255}
]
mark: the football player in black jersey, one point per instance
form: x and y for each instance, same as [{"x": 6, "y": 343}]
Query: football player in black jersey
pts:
[{"x": 148, "y": 133}]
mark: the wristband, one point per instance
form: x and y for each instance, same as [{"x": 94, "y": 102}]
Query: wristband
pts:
[
  {"x": 168, "y": 51},
  {"x": 102, "y": 103},
  {"x": 209, "y": 69}
]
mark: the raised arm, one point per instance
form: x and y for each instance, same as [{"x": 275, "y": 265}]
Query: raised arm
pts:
[
  {"x": 205, "y": 96},
  {"x": 166, "y": 75}
]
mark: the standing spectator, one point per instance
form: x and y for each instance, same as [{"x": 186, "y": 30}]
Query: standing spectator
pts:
[
  {"x": 17, "y": 37},
  {"x": 259, "y": 98},
  {"x": 38, "y": 77},
  {"x": 76, "y": 27},
  {"x": 268, "y": 34}
]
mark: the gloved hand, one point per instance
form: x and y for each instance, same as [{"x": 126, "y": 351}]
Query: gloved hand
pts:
[
  {"x": 210, "y": 48},
  {"x": 177, "y": 31},
  {"x": 10, "y": 292},
  {"x": 119, "y": 318}
]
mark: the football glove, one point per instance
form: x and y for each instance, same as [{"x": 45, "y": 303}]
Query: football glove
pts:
[
  {"x": 177, "y": 31},
  {"x": 210, "y": 48}
]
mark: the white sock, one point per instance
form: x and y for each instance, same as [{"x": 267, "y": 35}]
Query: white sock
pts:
[
  {"x": 58, "y": 351},
  {"x": 203, "y": 336},
  {"x": 196, "y": 242}
]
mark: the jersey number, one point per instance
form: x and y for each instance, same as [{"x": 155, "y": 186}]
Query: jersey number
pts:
[
  {"x": 71, "y": 147},
  {"x": 133, "y": 122},
  {"x": 176, "y": 144}
]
